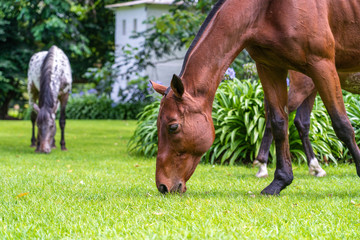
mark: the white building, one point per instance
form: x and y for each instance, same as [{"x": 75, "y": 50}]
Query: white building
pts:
[{"x": 129, "y": 18}]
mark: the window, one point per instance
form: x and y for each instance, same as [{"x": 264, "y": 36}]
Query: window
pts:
[
  {"x": 124, "y": 27},
  {"x": 135, "y": 25}
]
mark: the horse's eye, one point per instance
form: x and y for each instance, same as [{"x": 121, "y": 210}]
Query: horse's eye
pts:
[{"x": 173, "y": 127}]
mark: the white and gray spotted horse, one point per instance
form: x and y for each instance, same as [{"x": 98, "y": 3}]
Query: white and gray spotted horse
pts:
[{"x": 49, "y": 81}]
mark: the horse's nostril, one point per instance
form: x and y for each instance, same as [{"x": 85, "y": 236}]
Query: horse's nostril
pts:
[
  {"x": 163, "y": 189},
  {"x": 179, "y": 188}
]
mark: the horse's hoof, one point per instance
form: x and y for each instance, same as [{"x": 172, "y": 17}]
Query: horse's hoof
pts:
[
  {"x": 263, "y": 172},
  {"x": 315, "y": 169},
  {"x": 63, "y": 149},
  {"x": 321, "y": 173},
  {"x": 53, "y": 147},
  {"x": 260, "y": 174},
  {"x": 270, "y": 191},
  {"x": 276, "y": 186},
  {"x": 32, "y": 145}
]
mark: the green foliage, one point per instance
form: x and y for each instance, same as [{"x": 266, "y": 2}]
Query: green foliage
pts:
[
  {"x": 93, "y": 107},
  {"x": 239, "y": 121},
  {"x": 83, "y": 29},
  {"x": 238, "y": 115},
  {"x": 145, "y": 138},
  {"x": 352, "y": 104}
]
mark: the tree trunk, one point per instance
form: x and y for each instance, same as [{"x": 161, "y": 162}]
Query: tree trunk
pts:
[{"x": 5, "y": 107}]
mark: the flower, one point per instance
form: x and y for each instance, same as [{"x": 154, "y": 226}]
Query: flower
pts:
[
  {"x": 230, "y": 73},
  {"x": 92, "y": 91}
]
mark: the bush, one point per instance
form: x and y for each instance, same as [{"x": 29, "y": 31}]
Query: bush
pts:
[
  {"x": 145, "y": 138},
  {"x": 239, "y": 121},
  {"x": 93, "y": 107}
]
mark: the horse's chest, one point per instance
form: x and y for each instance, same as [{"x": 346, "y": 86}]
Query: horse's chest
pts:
[{"x": 276, "y": 57}]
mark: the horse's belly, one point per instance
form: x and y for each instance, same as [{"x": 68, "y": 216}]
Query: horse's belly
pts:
[{"x": 350, "y": 82}]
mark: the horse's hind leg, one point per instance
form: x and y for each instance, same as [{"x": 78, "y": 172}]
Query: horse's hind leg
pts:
[
  {"x": 274, "y": 85},
  {"x": 33, "y": 120},
  {"x": 302, "y": 123},
  {"x": 327, "y": 82},
  {"x": 262, "y": 158},
  {"x": 62, "y": 120}
]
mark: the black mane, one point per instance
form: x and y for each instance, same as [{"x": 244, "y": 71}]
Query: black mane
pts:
[
  {"x": 201, "y": 31},
  {"x": 45, "y": 96}
]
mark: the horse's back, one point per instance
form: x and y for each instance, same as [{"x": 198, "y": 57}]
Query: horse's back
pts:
[
  {"x": 59, "y": 66},
  {"x": 34, "y": 71}
]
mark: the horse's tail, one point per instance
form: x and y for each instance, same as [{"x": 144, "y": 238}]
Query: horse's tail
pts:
[{"x": 45, "y": 95}]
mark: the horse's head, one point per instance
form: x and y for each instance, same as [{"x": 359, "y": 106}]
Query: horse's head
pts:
[
  {"x": 185, "y": 133},
  {"x": 46, "y": 128}
]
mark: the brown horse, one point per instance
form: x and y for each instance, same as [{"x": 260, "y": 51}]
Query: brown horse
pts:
[
  {"x": 299, "y": 35},
  {"x": 302, "y": 93}
]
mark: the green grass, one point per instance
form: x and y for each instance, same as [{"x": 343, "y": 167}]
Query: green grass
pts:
[{"x": 96, "y": 190}]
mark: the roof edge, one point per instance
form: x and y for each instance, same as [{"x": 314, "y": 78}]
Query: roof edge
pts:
[{"x": 138, "y": 2}]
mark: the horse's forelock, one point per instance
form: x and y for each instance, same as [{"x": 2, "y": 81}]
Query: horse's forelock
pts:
[{"x": 43, "y": 116}]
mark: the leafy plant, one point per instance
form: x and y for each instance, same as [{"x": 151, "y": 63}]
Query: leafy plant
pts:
[
  {"x": 145, "y": 138},
  {"x": 238, "y": 115},
  {"x": 89, "y": 106}
]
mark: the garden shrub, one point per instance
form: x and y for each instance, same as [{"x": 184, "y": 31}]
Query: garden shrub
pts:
[
  {"x": 239, "y": 121},
  {"x": 90, "y": 106},
  {"x": 145, "y": 138}
]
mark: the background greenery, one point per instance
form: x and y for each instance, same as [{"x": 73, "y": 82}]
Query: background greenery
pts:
[
  {"x": 97, "y": 190},
  {"x": 238, "y": 115}
]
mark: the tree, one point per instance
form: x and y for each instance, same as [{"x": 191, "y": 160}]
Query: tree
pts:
[{"x": 82, "y": 28}]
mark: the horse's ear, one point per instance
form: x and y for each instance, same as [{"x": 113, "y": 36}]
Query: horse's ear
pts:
[
  {"x": 36, "y": 108},
  {"x": 177, "y": 86},
  {"x": 158, "y": 88}
]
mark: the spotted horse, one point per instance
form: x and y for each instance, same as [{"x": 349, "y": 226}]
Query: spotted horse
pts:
[{"x": 49, "y": 83}]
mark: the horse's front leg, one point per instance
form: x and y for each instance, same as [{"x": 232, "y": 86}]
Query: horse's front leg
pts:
[
  {"x": 262, "y": 158},
  {"x": 33, "y": 120},
  {"x": 275, "y": 89},
  {"x": 326, "y": 79},
  {"x": 62, "y": 120}
]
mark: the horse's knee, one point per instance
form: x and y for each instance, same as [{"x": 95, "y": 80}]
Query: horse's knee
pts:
[
  {"x": 279, "y": 127},
  {"x": 303, "y": 127}
]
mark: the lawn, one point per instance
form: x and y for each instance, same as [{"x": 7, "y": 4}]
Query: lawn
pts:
[{"x": 97, "y": 190}]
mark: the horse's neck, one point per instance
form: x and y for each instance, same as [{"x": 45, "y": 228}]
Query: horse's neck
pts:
[{"x": 218, "y": 45}]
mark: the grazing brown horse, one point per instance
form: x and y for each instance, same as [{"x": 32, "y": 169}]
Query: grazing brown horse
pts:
[
  {"x": 302, "y": 93},
  {"x": 312, "y": 37}
]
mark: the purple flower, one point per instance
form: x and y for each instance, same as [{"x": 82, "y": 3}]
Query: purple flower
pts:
[
  {"x": 92, "y": 91},
  {"x": 113, "y": 105},
  {"x": 287, "y": 81},
  {"x": 81, "y": 93},
  {"x": 230, "y": 73}
]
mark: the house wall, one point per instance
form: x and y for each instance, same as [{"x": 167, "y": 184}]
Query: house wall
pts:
[
  {"x": 166, "y": 67},
  {"x": 124, "y": 16}
]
